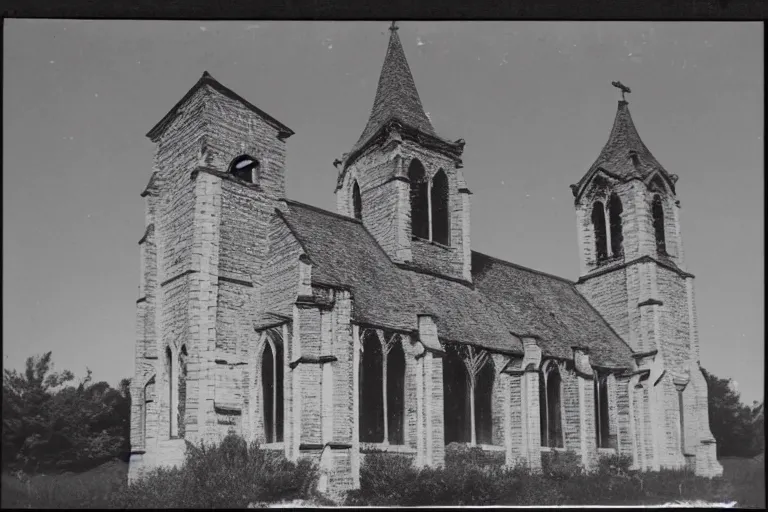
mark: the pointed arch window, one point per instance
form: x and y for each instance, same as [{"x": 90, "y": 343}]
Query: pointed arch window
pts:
[
  {"x": 357, "y": 201},
  {"x": 468, "y": 379},
  {"x": 246, "y": 168},
  {"x": 272, "y": 387},
  {"x": 149, "y": 397},
  {"x": 456, "y": 401},
  {"x": 440, "y": 210},
  {"x": 681, "y": 418},
  {"x": 419, "y": 199},
  {"x": 614, "y": 215},
  {"x": 549, "y": 405},
  {"x": 382, "y": 388},
  {"x": 483, "y": 391},
  {"x": 395, "y": 397},
  {"x": 182, "y": 391},
  {"x": 371, "y": 385},
  {"x": 658, "y": 224},
  {"x": 169, "y": 385},
  {"x": 602, "y": 422},
  {"x": 598, "y": 223}
]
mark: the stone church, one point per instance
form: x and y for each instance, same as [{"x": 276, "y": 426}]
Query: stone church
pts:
[{"x": 330, "y": 335}]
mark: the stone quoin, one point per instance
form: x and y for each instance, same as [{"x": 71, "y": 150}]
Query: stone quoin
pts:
[{"x": 377, "y": 328}]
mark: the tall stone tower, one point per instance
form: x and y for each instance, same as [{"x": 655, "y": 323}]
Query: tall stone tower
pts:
[
  {"x": 404, "y": 181},
  {"x": 219, "y": 173},
  {"x": 633, "y": 272}
]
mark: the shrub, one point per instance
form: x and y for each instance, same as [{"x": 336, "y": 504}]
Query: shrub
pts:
[
  {"x": 387, "y": 479},
  {"x": 461, "y": 455},
  {"x": 613, "y": 464},
  {"x": 229, "y": 475},
  {"x": 560, "y": 465}
]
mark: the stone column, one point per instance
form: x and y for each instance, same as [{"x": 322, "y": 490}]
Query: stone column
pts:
[
  {"x": 524, "y": 434},
  {"x": 432, "y": 402},
  {"x": 587, "y": 429}
]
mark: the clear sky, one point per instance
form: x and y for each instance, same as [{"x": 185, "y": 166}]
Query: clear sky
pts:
[{"x": 533, "y": 101}]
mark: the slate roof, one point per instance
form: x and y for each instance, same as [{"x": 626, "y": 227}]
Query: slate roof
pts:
[
  {"x": 506, "y": 301},
  {"x": 550, "y": 307},
  {"x": 207, "y": 79},
  {"x": 397, "y": 99},
  {"x": 396, "y": 96},
  {"x": 616, "y": 155}
]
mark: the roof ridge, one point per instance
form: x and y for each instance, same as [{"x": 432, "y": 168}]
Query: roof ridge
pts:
[
  {"x": 527, "y": 269},
  {"x": 320, "y": 210}
]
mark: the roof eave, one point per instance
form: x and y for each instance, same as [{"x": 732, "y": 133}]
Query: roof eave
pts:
[{"x": 453, "y": 150}]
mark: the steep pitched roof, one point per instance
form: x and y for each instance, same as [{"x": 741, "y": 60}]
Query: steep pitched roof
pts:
[
  {"x": 624, "y": 156},
  {"x": 396, "y": 96},
  {"x": 207, "y": 79},
  {"x": 549, "y": 307},
  {"x": 344, "y": 254},
  {"x": 507, "y": 300}
]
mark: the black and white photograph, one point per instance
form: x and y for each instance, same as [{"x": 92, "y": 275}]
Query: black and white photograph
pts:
[{"x": 256, "y": 264}]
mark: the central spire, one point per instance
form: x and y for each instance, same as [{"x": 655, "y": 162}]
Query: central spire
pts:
[{"x": 396, "y": 95}]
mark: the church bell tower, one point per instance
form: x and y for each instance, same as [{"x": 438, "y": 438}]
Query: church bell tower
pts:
[{"x": 633, "y": 271}]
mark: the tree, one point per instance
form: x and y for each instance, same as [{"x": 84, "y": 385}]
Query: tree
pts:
[
  {"x": 732, "y": 423},
  {"x": 47, "y": 425},
  {"x": 25, "y": 398}
]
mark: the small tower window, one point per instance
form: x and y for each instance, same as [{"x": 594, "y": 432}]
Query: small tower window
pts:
[
  {"x": 357, "y": 201},
  {"x": 658, "y": 225},
  {"x": 598, "y": 221},
  {"x": 440, "y": 213},
  {"x": 419, "y": 200},
  {"x": 614, "y": 214},
  {"x": 246, "y": 168}
]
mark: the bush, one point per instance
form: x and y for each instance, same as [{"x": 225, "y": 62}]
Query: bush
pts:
[
  {"x": 387, "y": 479},
  {"x": 614, "y": 464},
  {"x": 229, "y": 475},
  {"x": 560, "y": 465},
  {"x": 461, "y": 455}
]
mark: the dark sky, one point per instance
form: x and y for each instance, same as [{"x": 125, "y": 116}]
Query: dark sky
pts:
[{"x": 533, "y": 101}]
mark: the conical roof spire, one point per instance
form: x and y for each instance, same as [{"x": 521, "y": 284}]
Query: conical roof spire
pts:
[
  {"x": 624, "y": 156},
  {"x": 396, "y": 95}
]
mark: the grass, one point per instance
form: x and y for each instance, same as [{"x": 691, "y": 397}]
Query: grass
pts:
[
  {"x": 747, "y": 476},
  {"x": 105, "y": 487},
  {"x": 91, "y": 489}
]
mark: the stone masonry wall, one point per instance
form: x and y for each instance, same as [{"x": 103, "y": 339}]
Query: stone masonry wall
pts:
[
  {"x": 569, "y": 400},
  {"x": 608, "y": 294},
  {"x": 623, "y": 417},
  {"x": 234, "y": 131},
  {"x": 674, "y": 319},
  {"x": 281, "y": 273}
]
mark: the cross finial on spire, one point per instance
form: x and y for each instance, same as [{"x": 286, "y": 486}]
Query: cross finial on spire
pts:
[
  {"x": 623, "y": 88},
  {"x": 394, "y": 26}
]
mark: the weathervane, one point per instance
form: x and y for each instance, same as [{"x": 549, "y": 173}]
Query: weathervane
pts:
[
  {"x": 394, "y": 26},
  {"x": 623, "y": 88}
]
